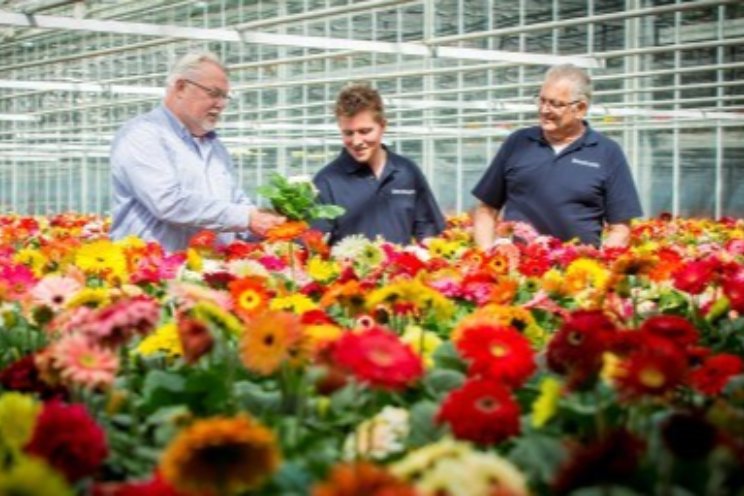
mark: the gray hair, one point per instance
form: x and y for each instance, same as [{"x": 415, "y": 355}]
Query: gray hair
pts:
[
  {"x": 582, "y": 83},
  {"x": 190, "y": 63}
]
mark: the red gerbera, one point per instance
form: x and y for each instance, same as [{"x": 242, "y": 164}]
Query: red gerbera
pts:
[
  {"x": 249, "y": 296},
  {"x": 378, "y": 357},
  {"x": 67, "y": 437},
  {"x": 693, "y": 277},
  {"x": 656, "y": 367},
  {"x": 676, "y": 329},
  {"x": 733, "y": 288},
  {"x": 711, "y": 377},
  {"x": 482, "y": 411},
  {"x": 496, "y": 352},
  {"x": 362, "y": 478},
  {"x": 576, "y": 349}
]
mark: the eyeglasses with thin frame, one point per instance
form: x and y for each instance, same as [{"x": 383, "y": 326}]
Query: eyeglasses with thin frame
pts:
[
  {"x": 215, "y": 93},
  {"x": 553, "y": 104}
]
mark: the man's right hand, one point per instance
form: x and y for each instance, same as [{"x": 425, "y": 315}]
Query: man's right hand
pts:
[{"x": 262, "y": 220}]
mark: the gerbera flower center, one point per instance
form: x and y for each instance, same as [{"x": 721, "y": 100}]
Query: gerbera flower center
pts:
[
  {"x": 269, "y": 340},
  {"x": 487, "y": 404},
  {"x": 381, "y": 357},
  {"x": 652, "y": 378},
  {"x": 249, "y": 300},
  {"x": 499, "y": 350},
  {"x": 575, "y": 338}
]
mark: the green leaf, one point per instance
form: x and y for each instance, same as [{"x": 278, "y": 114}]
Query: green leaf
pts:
[
  {"x": 446, "y": 356},
  {"x": 424, "y": 430},
  {"x": 442, "y": 381},
  {"x": 538, "y": 455},
  {"x": 253, "y": 398}
]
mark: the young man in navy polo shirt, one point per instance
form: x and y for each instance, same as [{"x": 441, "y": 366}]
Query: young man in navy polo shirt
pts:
[
  {"x": 562, "y": 177},
  {"x": 383, "y": 194}
]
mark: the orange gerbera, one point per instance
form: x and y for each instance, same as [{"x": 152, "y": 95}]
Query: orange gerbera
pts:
[
  {"x": 349, "y": 294},
  {"x": 220, "y": 454},
  {"x": 287, "y": 231},
  {"x": 249, "y": 296},
  {"x": 359, "y": 478},
  {"x": 270, "y": 339}
]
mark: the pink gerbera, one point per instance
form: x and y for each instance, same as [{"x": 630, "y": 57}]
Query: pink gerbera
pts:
[
  {"x": 84, "y": 364},
  {"x": 116, "y": 324},
  {"x": 53, "y": 291},
  {"x": 15, "y": 280}
]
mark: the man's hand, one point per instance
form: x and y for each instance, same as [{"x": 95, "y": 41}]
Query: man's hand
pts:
[{"x": 262, "y": 220}]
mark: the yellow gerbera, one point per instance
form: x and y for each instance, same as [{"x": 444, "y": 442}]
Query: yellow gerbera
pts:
[
  {"x": 18, "y": 414},
  {"x": 104, "y": 259},
  {"x": 297, "y": 303},
  {"x": 585, "y": 273},
  {"x": 163, "y": 340},
  {"x": 322, "y": 270},
  {"x": 33, "y": 259},
  {"x": 31, "y": 475},
  {"x": 91, "y": 297},
  {"x": 546, "y": 404},
  {"x": 211, "y": 313},
  {"x": 221, "y": 455},
  {"x": 423, "y": 342}
]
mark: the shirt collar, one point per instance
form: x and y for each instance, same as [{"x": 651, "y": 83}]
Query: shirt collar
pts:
[
  {"x": 179, "y": 127},
  {"x": 351, "y": 166},
  {"x": 590, "y": 136}
]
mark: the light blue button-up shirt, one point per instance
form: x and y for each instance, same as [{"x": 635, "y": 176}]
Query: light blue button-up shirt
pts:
[{"x": 168, "y": 185}]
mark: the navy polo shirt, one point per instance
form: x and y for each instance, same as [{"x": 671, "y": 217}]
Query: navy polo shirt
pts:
[
  {"x": 398, "y": 206},
  {"x": 567, "y": 195}
]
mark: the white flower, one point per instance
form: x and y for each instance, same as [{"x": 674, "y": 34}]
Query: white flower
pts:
[
  {"x": 380, "y": 436},
  {"x": 350, "y": 248},
  {"x": 246, "y": 267},
  {"x": 303, "y": 178}
]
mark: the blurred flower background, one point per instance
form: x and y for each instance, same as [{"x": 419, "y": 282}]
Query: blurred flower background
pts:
[{"x": 289, "y": 367}]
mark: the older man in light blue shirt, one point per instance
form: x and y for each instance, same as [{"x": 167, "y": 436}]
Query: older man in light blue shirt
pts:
[{"x": 172, "y": 177}]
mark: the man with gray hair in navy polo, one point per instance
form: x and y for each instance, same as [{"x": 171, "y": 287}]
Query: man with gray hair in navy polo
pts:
[{"x": 562, "y": 177}]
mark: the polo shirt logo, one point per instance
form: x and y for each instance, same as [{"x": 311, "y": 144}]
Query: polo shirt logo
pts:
[
  {"x": 403, "y": 191},
  {"x": 585, "y": 162}
]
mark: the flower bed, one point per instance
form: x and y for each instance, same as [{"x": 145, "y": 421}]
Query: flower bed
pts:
[{"x": 292, "y": 368}]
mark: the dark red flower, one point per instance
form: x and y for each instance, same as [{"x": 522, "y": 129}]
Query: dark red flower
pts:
[
  {"x": 711, "y": 377},
  {"x": 218, "y": 280},
  {"x": 23, "y": 376},
  {"x": 378, "y": 357},
  {"x": 404, "y": 263},
  {"x": 688, "y": 435},
  {"x": 156, "y": 486},
  {"x": 196, "y": 340},
  {"x": 482, "y": 411},
  {"x": 676, "y": 329},
  {"x": 576, "y": 349},
  {"x": 68, "y": 438},
  {"x": 609, "y": 460},
  {"x": 499, "y": 353}
]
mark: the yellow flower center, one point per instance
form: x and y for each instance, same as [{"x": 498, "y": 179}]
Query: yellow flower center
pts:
[
  {"x": 381, "y": 357},
  {"x": 487, "y": 404},
  {"x": 249, "y": 299},
  {"x": 499, "y": 350},
  {"x": 652, "y": 378}
]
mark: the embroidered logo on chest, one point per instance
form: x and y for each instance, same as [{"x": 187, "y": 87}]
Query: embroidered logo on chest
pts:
[
  {"x": 585, "y": 163},
  {"x": 402, "y": 191}
]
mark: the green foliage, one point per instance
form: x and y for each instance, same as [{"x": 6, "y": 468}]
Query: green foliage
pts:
[{"x": 296, "y": 200}]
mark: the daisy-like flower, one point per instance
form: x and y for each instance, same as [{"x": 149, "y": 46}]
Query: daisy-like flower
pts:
[
  {"x": 33, "y": 259},
  {"x": 67, "y": 437},
  {"x": 18, "y": 414},
  {"x": 654, "y": 368},
  {"x": 350, "y": 248},
  {"x": 29, "y": 475},
  {"x": 115, "y": 324},
  {"x": 362, "y": 478},
  {"x": 379, "y": 437},
  {"x": 269, "y": 340},
  {"x": 482, "y": 411},
  {"x": 164, "y": 339},
  {"x": 712, "y": 376},
  {"x": 249, "y": 296},
  {"x": 89, "y": 297},
  {"x": 81, "y": 363},
  {"x": 322, "y": 270},
  {"x": 15, "y": 281},
  {"x": 499, "y": 353},
  {"x": 297, "y": 303},
  {"x": 221, "y": 454},
  {"x": 216, "y": 315},
  {"x": 694, "y": 277},
  {"x": 424, "y": 343},
  {"x": 585, "y": 273},
  {"x": 54, "y": 291},
  {"x": 287, "y": 231},
  {"x": 378, "y": 357},
  {"x": 546, "y": 404},
  {"x": 577, "y": 348},
  {"x": 102, "y": 258}
]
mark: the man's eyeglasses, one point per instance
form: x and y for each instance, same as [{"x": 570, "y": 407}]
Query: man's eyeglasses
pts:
[
  {"x": 553, "y": 104},
  {"x": 215, "y": 93}
]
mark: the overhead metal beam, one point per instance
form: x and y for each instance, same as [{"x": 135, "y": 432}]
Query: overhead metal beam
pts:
[{"x": 319, "y": 42}]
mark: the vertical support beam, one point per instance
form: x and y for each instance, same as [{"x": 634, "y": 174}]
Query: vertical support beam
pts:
[
  {"x": 718, "y": 208},
  {"x": 676, "y": 172}
]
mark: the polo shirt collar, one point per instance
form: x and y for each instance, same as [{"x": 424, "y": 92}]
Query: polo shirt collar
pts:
[
  {"x": 351, "y": 166},
  {"x": 590, "y": 136}
]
